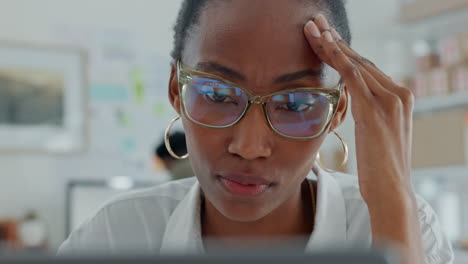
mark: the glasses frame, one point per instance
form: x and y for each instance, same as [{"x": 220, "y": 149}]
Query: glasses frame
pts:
[{"x": 185, "y": 73}]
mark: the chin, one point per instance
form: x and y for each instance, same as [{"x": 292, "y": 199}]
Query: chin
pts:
[
  {"x": 242, "y": 211},
  {"x": 239, "y": 208}
]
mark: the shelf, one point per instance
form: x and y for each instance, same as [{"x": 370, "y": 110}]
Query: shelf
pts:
[
  {"x": 461, "y": 256},
  {"x": 440, "y": 103},
  {"x": 453, "y": 173},
  {"x": 424, "y": 9}
]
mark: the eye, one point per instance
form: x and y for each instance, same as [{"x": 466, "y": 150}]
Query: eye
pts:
[
  {"x": 215, "y": 91},
  {"x": 218, "y": 98},
  {"x": 295, "y": 107},
  {"x": 294, "y": 102}
]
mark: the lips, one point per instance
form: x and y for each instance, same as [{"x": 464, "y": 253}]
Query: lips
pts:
[{"x": 245, "y": 186}]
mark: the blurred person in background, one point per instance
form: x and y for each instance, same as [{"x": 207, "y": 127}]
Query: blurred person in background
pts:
[
  {"x": 177, "y": 168},
  {"x": 258, "y": 86}
]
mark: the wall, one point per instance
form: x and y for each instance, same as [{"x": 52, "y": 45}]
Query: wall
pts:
[{"x": 35, "y": 180}]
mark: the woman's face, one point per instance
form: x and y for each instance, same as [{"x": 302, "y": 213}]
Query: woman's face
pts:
[{"x": 247, "y": 171}]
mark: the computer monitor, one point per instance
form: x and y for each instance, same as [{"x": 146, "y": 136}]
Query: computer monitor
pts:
[{"x": 324, "y": 257}]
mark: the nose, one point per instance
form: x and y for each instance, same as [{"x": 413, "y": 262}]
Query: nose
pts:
[{"x": 251, "y": 137}]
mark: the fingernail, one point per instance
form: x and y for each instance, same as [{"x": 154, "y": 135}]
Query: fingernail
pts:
[
  {"x": 335, "y": 34},
  {"x": 328, "y": 36},
  {"x": 313, "y": 29},
  {"x": 322, "y": 22}
]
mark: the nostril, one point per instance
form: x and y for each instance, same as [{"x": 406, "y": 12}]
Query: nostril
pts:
[
  {"x": 249, "y": 151},
  {"x": 235, "y": 155}
]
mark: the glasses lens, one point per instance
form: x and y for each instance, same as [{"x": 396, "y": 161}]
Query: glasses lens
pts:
[
  {"x": 212, "y": 102},
  {"x": 299, "y": 114}
]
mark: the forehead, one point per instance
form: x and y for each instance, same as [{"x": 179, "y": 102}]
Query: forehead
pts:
[{"x": 257, "y": 37}]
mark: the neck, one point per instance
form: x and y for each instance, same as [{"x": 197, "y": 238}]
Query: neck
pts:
[{"x": 293, "y": 219}]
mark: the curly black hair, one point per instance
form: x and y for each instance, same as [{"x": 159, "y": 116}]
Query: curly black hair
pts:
[{"x": 191, "y": 9}]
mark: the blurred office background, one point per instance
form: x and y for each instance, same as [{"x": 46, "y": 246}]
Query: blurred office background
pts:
[{"x": 83, "y": 104}]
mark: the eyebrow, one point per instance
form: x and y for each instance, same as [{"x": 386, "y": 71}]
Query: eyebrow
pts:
[
  {"x": 213, "y": 66},
  {"x": 289, "y": 77},
  {"x": 297, "y": 76}
]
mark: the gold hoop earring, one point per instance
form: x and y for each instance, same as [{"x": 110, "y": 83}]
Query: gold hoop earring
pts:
[
  {"x": 345, "y": 159},
  {"x": 168, "y": 143}
]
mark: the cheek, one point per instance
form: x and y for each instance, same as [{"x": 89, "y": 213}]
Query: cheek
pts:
[
  {"x": 204, "y": 146},
  {"x": 297, "y": 159},
  {"x": 299, "y": 154}
]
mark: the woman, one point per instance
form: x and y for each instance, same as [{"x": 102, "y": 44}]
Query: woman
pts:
[{"x": 253, "y": 135}]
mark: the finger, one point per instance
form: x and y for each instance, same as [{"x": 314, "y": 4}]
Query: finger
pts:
[
  {"x": 313, "y": 36},
  {"x": 399, "y": 102},
  {"x": 330, "y": 43},
  {"x": 404, "y": 93},
  {"x": 374, "y": 85},
  {"x": 324, "y": 27},
  {"x": 342, "y": 63},
  {"x": 396, "y": 99},
  {"x": 378, "y": 74},
  {"x": 370, "y": 66},
  {"x": 333, "y": 52},
  {"x": 384, "y": 79}
]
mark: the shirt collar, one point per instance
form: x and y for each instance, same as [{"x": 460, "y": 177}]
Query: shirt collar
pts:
[
  {"x": 183, "y": 229},
  {"x": 330, "y": 217}
]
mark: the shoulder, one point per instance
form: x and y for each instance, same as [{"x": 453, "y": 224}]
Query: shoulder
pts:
[
  {"x": 135, "y": 220},
  {"x": 158, "y": 201},
  {"x": 436, "y": 244},
  {"x": 357, "y": 214},
  {"x": 173, "y": 191},
  {"x": 349, "y": 185},
  {"x": 437, "y": 247}
]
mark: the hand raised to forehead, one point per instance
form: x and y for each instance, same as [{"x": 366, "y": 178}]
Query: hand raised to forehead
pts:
[{"x": 382, "y": 112}]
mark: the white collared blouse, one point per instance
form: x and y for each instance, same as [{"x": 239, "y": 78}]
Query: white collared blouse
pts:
[{"x": 166, "y": 219}]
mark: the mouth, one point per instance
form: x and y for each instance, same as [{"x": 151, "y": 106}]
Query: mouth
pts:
[{"x": 244, "y": 186}]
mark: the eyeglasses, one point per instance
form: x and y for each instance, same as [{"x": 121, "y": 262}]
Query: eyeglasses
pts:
[{"x": 213, "y": 102}]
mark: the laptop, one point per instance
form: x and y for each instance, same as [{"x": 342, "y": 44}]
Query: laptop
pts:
[{"x": 325, "y": 257}]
